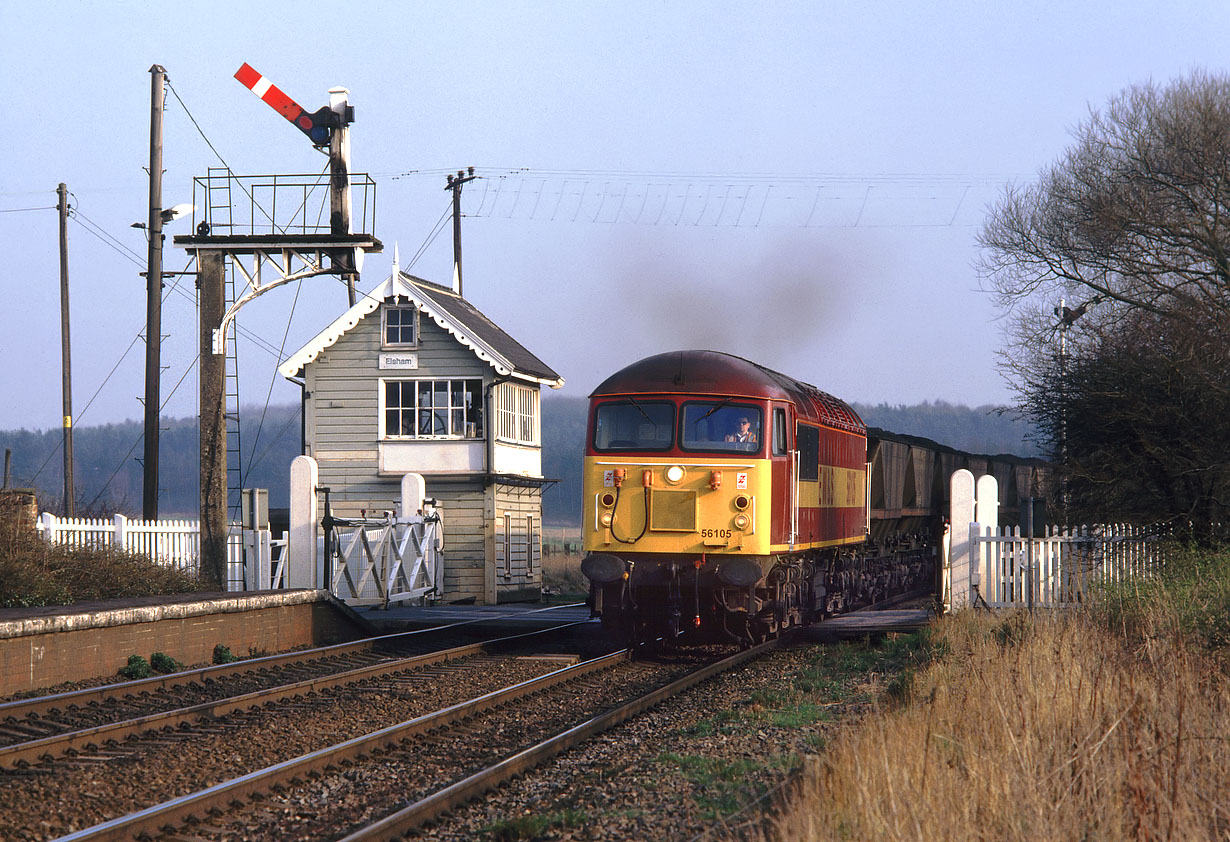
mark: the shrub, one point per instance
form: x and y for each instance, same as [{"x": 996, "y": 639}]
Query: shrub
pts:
[
  {"x": 164, "y": 664},
  {"x": 35, "y": 573},
  {"x": 137, "y": 668}
]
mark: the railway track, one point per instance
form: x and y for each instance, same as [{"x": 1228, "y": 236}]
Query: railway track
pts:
[
  {"x": 34, "y": 728},
  {"x": 383, "y": 783}
]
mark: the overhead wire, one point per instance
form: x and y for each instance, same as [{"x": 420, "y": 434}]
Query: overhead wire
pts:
[{"x": 431, "y": 237}]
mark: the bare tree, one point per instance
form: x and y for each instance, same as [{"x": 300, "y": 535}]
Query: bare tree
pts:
[
  {"x": 1137, "y": 211},
  {"x": 1130, "y": 383}
]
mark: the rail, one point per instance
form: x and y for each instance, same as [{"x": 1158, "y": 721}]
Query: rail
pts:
[{"x": 232, "y": 794}]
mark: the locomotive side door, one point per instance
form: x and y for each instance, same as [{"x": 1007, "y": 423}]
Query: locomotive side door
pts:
[{"x": 783, "y": 526}]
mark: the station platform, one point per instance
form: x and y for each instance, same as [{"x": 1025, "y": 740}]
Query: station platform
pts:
[
  {"x": 42, "y": 647},
  {"x": 870, "y": 622}
]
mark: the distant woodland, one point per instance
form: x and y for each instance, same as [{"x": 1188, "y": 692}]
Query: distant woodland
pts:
[{"x": 107, "y": 468}]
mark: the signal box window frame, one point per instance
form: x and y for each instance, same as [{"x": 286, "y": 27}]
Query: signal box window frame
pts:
[
  {"x": 449, "y": 409},
  {"x": 399, "y": 327}
]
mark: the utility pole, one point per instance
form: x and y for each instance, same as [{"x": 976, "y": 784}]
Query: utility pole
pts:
[
  {"x": 211, "y": 277},
  {"x": 153, "y": 297},
  {"x": 454, "y": 184},
  {"x": 65, "y": 356}
]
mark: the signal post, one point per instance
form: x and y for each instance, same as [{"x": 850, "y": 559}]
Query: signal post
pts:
[{"x": 289, "y": 250}]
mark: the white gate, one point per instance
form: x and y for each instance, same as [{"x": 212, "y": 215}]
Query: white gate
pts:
[
  {"x": 984, "y": 565},
  {"x": 379, "y": 561}
]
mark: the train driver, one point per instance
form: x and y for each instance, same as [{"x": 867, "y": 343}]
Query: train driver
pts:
[{"x": 743, "y": 432}]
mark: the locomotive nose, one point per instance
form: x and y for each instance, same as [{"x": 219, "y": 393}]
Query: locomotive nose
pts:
[{"x": 603, "y": 568}]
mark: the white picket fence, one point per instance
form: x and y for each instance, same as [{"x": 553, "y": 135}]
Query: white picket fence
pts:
[
  {"x": 1001, "y": 568},
  {"x": 255, "y": 560},
  {"x": 1012, "y": 570}
]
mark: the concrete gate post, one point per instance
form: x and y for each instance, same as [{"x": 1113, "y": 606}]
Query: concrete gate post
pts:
[{"x": 301, "y": 563}]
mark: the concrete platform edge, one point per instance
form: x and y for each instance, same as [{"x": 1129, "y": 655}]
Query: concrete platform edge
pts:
[{"x": 77, "y": 620}]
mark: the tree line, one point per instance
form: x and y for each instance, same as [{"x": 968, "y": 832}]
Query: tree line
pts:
[{"x": 108, "y": 475}]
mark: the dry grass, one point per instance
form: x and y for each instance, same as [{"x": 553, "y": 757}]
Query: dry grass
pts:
[
  {"x": 35, "y": 573},
  {"x": 1106, "y": 724},
  {"x": 561, "y": 574}
]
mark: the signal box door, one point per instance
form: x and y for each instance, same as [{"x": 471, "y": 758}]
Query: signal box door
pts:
[{"x": 785, "y": 505}]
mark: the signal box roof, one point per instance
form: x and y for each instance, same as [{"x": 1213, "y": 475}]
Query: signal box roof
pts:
[{"x": 716, "y": 373}]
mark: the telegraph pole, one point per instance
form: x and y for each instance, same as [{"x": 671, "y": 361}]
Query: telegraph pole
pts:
[
  {"x": 153, "y": 297},
  {"x": 65, "y": 356},
  {"x": 211, "y": 277},
  {"x": 454, "y": 184}
]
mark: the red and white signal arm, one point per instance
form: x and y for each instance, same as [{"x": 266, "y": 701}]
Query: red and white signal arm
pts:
[{"x": 316, "y": 126}]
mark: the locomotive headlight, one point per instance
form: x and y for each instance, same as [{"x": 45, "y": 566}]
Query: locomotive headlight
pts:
[
  {"x": 742, "y": 501},
  {"x": 606, "y": 519},
  {"x": 741, "y": 521},
  {"x": 607, "y": 499},
  {"x": 674, "y": 474}
]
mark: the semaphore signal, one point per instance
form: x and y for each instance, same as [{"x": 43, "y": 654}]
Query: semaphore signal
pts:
[{"x": 317, "y": 125}]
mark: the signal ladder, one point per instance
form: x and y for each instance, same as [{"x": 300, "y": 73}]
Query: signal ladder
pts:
[{"x": 219, "y": 218}]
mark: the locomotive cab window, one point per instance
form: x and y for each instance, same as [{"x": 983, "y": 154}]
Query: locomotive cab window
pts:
[
  {"x": 780, "y": 445},
  {"x": 721, "y": 426},
  {"x": 634, "y": 425},
  {"x": 808, "y": 440}
]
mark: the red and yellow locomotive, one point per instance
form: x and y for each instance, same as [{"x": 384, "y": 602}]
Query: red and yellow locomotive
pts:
[{"x": 722, "y": 500}]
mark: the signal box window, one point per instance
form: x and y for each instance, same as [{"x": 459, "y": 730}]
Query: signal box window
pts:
[
  {"x": 722, "y": 427},
  {"x": 419, "y": 409},
  {"x": 400, "y": 328},
  {"x": 634, "y": 425}
]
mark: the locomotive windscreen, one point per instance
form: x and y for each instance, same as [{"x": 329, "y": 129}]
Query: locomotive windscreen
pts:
[{"x": 634, "y": 425}]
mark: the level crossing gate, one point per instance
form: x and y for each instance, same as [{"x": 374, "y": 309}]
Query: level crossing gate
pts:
[
  {"x": 989, "y": 566},
  {"x": 380, "y": 561}
]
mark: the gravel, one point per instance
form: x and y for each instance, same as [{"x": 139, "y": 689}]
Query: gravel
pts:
[{"x": 644, "y": 780}]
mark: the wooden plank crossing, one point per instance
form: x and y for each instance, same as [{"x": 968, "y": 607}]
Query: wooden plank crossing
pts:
[{"x": 861, "y": 623}]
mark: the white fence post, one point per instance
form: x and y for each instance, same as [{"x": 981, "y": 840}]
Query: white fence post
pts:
[
  {"x": 47, "y": 523},
  {"x": 304, "y": 517},
  {"x": 986, "y": 512},
  {"x": 413, "y": 493},
  {"x": 119, "y": 539},
  {"x": 960, "y": 571}
]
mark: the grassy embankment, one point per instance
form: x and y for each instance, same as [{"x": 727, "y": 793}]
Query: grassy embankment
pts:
[
  {"x": 1111, "y": 722},
  {"x": 35, "y": 573}
]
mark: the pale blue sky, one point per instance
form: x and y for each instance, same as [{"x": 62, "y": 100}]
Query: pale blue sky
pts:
[{"x": 799, "y": 183}]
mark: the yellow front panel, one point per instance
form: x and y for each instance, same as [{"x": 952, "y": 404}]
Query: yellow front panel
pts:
[{"x": 687, "y": 516}]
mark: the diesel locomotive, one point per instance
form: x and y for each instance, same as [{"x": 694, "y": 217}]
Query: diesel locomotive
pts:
[{"x": 727, "y": 501}]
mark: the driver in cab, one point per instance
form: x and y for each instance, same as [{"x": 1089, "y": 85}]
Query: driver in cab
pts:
[{"x": 743, "y": 433}]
